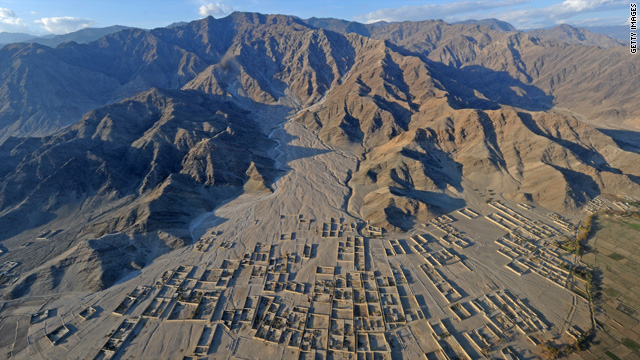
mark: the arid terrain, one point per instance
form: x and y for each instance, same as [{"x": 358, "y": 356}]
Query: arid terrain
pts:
[{"x": 319, "y": 189}]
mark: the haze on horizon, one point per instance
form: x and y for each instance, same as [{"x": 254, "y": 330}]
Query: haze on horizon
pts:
[{"x": 41, "y": 17}]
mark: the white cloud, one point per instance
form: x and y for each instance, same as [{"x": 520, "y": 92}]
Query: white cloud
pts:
[
  {"x": 582, "y": 5},
  {"x": 6, "y": 13},
  {"x": 9, "y": 21},
  {"x": 559, "y": 13},
  {"x": 63, "y": 25},
  {"x": 435, "y": 11},
  {"x": 215, "y": 9},
  {"x": 520, "y": 13},
  {"x": 599, "y": 21}
]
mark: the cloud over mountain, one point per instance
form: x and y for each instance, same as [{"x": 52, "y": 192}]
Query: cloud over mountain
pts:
[
  {"x": 215, "y": 9},
  {"x": 562, "y": 12},
  {"x": 64, "y": 24},
  {"x": 523, "y": 13},
  {"x": 434, "y": 11}
]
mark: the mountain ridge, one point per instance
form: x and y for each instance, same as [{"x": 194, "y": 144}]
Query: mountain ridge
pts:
[
  {"x": 576, "y": 35},
  {"x": 142, "y": 168},
  {"x": 80, "y": 36}
]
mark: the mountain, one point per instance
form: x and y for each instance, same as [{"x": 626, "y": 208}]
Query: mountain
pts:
[
  {"x": 341, "y": 26},
  {"x": 428, "y": 111},
  {"x": 177, "y": 24},
  {"x": 141, "y": 168},
  {"x": 170, "y": 58},
  {"x": 43, "y": 93},
  {"x": 145, "y": 166},
  {"x": 545, "y": 71},
  {"x": 494, "y": 24},
  {"x": 575, "y": 35},
  {"x": 81, "y": 36},
  {"x": 78, "y": 77},
  {"x": 344, "y": 26},
  {"x": 420, "y": 140},
  {"x": 618, "y": 32},
  {"x": 8, "y": 38}
]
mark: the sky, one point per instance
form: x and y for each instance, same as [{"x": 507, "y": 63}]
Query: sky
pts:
[{"x": 42, "y": 17}]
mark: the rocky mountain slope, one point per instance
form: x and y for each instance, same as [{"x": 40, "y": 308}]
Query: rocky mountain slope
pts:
[
  {"x": 46, "y": 89},
  {"x": 494, "y": 24},
  {"x": 130, "y": 175},
  {"x": 421, "y": 134},
  {"x": 503, "y": 65}
]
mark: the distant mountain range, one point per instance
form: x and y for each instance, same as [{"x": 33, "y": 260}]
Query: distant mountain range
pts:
[
  {"x": 604, "y": 36},
  {"x": 9, "y": 38},
  {"x": 572, "y": 35},
  {"x": 80, "y": 36},
  {"x": 619, "y": 32}
]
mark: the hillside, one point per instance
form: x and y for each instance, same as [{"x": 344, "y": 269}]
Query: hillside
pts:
[{"x": 142, "y": 168}]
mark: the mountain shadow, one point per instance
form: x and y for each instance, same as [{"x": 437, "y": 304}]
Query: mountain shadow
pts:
[{"x": 478, "y": 87}]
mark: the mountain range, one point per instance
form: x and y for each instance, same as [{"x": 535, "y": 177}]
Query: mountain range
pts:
[
  {"x": 81, "y": 36},
  {"x": 572, "y": 35},
  {"x": 139, "y": 131}
]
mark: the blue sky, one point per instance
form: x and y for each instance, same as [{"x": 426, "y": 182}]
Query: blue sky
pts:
[{"x": 62, "y": 16}]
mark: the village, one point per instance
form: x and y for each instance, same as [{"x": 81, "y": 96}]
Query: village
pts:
[{"x": 333, "y": 289}]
